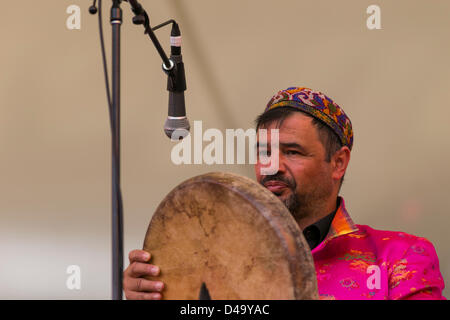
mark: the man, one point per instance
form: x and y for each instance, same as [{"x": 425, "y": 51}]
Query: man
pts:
[{"x": 352, "y": 261}]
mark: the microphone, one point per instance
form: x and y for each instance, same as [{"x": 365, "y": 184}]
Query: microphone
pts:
[{"x": 176, "y": 85}]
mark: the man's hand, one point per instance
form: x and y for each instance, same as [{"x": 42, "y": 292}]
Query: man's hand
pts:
[{"x": 134, "y": 284}]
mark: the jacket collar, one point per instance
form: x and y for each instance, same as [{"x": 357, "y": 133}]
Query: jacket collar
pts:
[{"x": 341, "y": 224}]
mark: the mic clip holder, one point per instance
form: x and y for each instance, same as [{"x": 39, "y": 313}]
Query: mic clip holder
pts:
[{"x": 176, "y": 80}]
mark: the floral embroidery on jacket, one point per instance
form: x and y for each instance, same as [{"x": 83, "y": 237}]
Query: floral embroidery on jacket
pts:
[{"x": 358, "y": 262}]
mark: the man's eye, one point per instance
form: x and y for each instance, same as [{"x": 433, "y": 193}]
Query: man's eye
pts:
[{"x": 292, "y": 152}]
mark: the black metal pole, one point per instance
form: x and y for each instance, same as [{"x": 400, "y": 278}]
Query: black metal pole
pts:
[{"x": 117, "y": 208}]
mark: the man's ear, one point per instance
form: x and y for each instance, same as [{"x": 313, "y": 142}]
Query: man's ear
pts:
[{"x": 340, "y": 161}]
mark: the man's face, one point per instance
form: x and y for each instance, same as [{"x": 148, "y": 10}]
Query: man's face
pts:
[{"x": 304, "y": 178}]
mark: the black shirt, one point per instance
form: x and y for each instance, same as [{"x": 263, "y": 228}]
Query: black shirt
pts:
[{"x": 316, "y": 232}]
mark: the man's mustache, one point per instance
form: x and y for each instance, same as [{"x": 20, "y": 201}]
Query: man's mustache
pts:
[{"x": 278, "y": 177}]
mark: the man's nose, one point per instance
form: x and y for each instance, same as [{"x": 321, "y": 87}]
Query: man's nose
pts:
[{"x": 281, "y": 163}]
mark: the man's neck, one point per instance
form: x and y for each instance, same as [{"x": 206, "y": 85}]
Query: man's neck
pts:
[{"x": 317, "y": 212}]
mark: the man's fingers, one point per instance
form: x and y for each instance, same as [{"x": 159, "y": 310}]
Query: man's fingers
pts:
[
  {"x": 136, "y": 287},
  {"x": 139, "y": 269},
  {"x": 139, "y": 256},
  {"x": 132, "y": 295},
  {"x": 143, "y": 285}
]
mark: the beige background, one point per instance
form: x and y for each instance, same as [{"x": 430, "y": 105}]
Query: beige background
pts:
[{"x": 54, "y": 130}]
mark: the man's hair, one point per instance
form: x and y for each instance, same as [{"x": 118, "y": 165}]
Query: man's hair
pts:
[{"x": 330, "y": 140}]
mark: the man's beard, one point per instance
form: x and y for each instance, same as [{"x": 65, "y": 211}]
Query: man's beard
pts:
[
  {"x": 300, "y": 205},
  {"x": 293, "y": 202}
]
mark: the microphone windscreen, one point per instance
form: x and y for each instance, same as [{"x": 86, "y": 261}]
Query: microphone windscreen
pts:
[{"x": 176, "y": 128}]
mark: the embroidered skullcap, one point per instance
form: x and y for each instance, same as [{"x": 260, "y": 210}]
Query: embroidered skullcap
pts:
[{"x": 317, "y": 105}]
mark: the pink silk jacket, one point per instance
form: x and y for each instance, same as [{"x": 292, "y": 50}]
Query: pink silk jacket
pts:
[{"x": 357, "y": 262}]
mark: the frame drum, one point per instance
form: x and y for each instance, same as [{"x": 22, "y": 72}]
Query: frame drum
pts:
[{"x": 232, "y": 237}]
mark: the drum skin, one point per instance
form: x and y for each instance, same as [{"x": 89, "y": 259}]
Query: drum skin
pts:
[{"x": 232, "y": 234}]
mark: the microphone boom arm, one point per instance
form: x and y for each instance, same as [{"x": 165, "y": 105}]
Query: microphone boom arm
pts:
[{"x": 141, "y": 17}]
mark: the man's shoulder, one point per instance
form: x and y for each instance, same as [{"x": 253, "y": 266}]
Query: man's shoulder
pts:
[
  {"x": 387, "y": 233},
  {"x": 395, "y": 239}
]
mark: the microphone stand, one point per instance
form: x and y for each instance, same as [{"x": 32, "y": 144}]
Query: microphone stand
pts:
[
  {"x": 117, "y": 207},
  {"x": 169, "y": 68}
]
